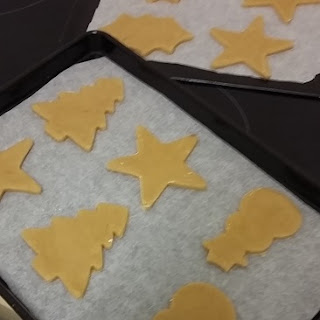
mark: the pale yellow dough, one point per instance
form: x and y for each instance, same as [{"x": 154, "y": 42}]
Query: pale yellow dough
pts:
[
  {"x": 198, "y": 301},
  {"x": 158, "y": 165},
  {"x": 12, "y": 177},
  {"x": 251, "y": 47},
  {"x": 70, "y": 248},
  {"x": 78, "y": 115},
  {"x": 147, "y": 33},
  {"x": 264, "y": 214},
  {"x": 285, "y": 8}
]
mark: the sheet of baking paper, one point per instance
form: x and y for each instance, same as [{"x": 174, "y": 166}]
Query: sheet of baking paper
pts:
[{"x": 162, "y": 248}]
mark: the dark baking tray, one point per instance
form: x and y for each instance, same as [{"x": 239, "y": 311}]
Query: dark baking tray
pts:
[
  {"x": 42, "y": 27},
  {"x": 207, "y": 96}
]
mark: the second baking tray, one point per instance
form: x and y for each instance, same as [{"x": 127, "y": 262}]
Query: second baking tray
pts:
[{"x": 161, "y": 250}]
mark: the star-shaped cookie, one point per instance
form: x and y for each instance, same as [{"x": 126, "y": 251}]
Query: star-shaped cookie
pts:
[
  {"x": 250, "y": 46},
  {"x": 158, "y": 165},
  {"x": 285, "y": 8},
  {"x": 12, "y": 177}
]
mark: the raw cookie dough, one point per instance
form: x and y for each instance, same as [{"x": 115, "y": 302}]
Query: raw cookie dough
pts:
[
  {"x": 285, "y": 8},
  {"x": 147, "y": 33},
  {"x": 78, "y": 115},
  {"x": 12, "y": 177},
  {"x": 198, "y": 301},
  {"x": 250, "y": 46},
  {"x": 158, "y": 165},
  {"x": 264, "y": 214},
  {"x": 71, "y": 247}
]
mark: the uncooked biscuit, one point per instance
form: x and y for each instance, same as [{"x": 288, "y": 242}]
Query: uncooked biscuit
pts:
[
  {"x": 78, "y": 115},
  {"x": 147, "y": 33},
  {"x": 198, "y": 301},
  {"x": 71, "y": 247},
  {"x": 12, "y": 177},
  {"x": 158, "y": 165}
]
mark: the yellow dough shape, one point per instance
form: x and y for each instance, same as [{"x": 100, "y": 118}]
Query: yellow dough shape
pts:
[
  {"x": 264, "y": 214},
  {"x": 78, "y": 115},
  {"x": 198, "y": 301},
  {"x": 12, "y": 177},
  {"x": 158, "y": 165},
  {"x": 285, "y": 8},
  {"x": 147, "y": 33},
  {"x": 172, "y": 1},
  {"x": 250, "y": 47},
  {"x": 71, "y": 247}
]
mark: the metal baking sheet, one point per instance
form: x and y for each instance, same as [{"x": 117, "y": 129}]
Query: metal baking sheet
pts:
[{"x": 161, "y": 250}]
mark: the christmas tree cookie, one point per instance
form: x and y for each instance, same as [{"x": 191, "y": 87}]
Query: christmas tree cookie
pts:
[
  {"x": 12, "y": 177},
  {"x": 78, "y": 115},
  {"x": 251, "y": 47},
  {"x": 72, "y": 246}
]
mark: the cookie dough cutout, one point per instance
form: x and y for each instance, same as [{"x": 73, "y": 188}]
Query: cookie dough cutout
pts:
[
  {"x": 285, "y": 8},
  {"x": 158, "y": 165},
  {"x": 198, "y": 301},
  {"x": 264, "y": 215},
  {"x": 70, "y": 248},
  {"x": 12, "y": 177},
  {"x": 78, "y": 115},
  {"x": 172, "y": 1},
  {"x": 251, "y": 47},
  {"x": 147, "y": 33}
]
